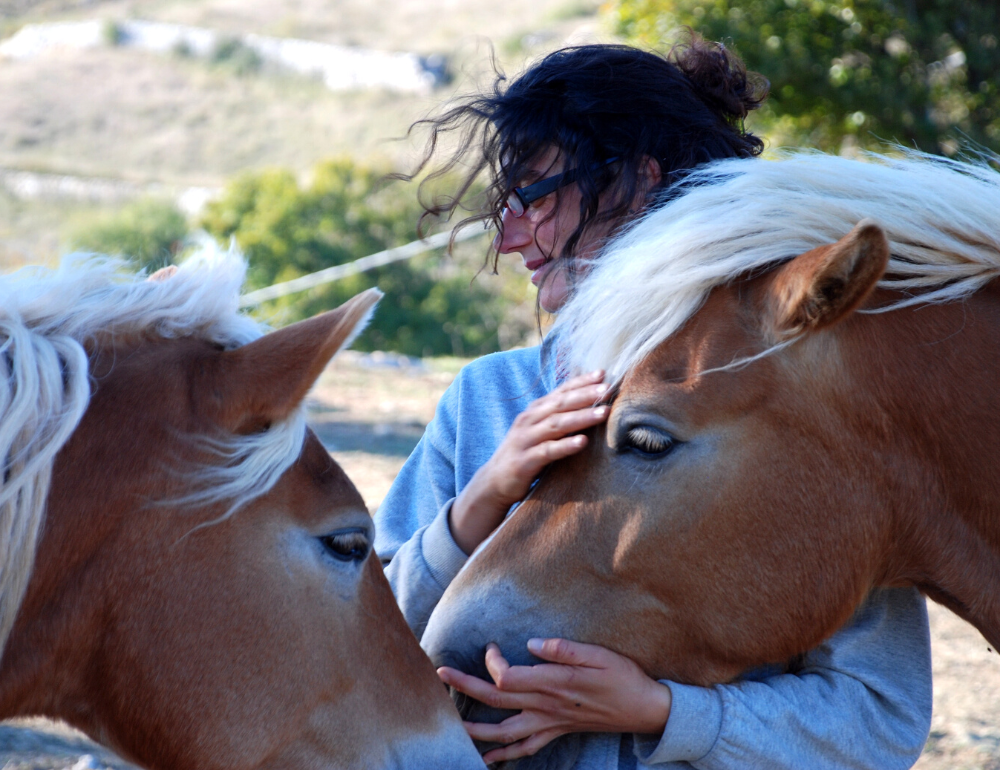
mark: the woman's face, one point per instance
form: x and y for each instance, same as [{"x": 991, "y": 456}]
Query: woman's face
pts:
[{"x": 541, "y": 233}]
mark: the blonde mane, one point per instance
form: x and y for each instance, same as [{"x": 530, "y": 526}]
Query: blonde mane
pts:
[
  {"x": 741, "y": 216},
  {"x": 46, "y": 317}
]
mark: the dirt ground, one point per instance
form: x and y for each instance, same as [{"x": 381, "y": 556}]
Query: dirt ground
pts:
[{"x": 370, "y": 410}]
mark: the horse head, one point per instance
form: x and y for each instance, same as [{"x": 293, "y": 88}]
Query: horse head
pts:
[
  {"x": 203, "y": 591},
  {"x": 777, "y": 447}
]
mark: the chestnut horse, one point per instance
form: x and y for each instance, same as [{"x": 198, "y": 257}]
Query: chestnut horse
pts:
[
  {"x": 805, "y": 408},
  {"x": 186, "y": 575}
]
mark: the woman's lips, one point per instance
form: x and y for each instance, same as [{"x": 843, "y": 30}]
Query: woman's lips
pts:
[{"x": 537, "y": 268}]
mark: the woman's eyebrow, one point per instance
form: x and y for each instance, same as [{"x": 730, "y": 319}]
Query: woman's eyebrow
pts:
[
  {"x": 531, "y": 175},
  {"x": 528, "y": 176}
]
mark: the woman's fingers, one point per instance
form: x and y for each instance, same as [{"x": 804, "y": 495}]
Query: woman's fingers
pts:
[
  {"x": 580, "y": 688},
  {"x": 510, "y": 730},
  {"x": 576, "y": 393},
  {"x": 570, "y": 653},
  {"x": 484, "y": 692},
  {"x": 541, "y": 679},
  {"x": 536, "y": 458},
  {"x": 548, "y": 441},
  {"x": 558, "y": 402},
  {"x": 543, "y": 433},
  {"x": 163, "y": 274},
  {"x": 562, "y": 423},
  {"x": 536, "y": 437},
  {"x": 496, "y": 664},
  {"x": 522, "y": 748},
  {"x": 581, "y": 380}
]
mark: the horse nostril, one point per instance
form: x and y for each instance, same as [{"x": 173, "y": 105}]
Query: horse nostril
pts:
[{"x": 474, "y": 665}]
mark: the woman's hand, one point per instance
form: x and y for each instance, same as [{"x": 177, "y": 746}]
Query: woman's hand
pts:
[
  {"x": 163, "y": 274},
  {"x": 585, "y": 688},
  {"x": 540, "y": 435}
]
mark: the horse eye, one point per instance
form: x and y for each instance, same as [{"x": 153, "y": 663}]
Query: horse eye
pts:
[
  {"x": 347, "y": 544},
  {"x": 648, "y": 442}
]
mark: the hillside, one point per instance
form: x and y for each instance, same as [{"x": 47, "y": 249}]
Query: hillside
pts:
[{"x": 113, "y": 112}]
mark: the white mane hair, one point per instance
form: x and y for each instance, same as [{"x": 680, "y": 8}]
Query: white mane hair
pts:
[
  {"x": 735, "y": 217},
  {"x": 46, "y": 317}
]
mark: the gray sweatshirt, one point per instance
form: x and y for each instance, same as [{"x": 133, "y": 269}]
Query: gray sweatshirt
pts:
[{"x": 862, "y": 699}]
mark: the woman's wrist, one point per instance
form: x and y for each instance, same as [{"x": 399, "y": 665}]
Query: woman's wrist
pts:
[
  {"x": 475, "y": 514},
  {"x": 655, "y": 710}
]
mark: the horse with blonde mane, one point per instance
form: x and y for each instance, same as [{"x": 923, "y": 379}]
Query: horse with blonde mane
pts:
[
  {"x": 185, "y": 573},
  {"x": 804, "y": 356}
]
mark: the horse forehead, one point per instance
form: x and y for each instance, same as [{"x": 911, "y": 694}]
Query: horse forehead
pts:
[
  {"x": 691, "y": 378},
  {"x": 724, "y": 328},
  {"x": 316, "y": 464},
  {"x": 157, "y": 359},
  {"x": 161, "y": 375}
]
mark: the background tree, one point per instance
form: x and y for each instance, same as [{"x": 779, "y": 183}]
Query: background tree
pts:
[
  {"x": 923, "y": 73},
  {"x": 149, "y": 232},
  {"x": 432, "y": 306}
]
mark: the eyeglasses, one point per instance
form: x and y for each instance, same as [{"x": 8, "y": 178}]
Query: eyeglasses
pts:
[{"x": 521, "y": 198}]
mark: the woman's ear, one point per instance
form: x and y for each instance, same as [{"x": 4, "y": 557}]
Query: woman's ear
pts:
[
  {"x": 650, "y": 176},
  {"x": 651, "y": 172}
]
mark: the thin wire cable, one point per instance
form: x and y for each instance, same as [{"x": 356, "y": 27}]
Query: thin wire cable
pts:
[{"x": 370, "y": 262}]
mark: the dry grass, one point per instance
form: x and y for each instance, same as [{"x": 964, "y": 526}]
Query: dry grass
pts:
[
  {"x": 32, "y": 232},
  {"x": 142, "y": 117},
  {"x": 161, "y": 118},
  {"x": 420, "y": 26}
]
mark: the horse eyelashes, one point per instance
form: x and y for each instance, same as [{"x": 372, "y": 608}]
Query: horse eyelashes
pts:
[{"x": 648, "y": 441}]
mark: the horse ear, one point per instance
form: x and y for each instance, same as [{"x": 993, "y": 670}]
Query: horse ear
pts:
[
  {"x": 268, "y": 378},
  {"x": 822, "y": 286}
]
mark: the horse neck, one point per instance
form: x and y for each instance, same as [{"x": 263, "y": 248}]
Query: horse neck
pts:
[
  {"x": 54, "y": 628},
  {"x": 934, "y": 372},
  {"x": 44, "y": 391},
  {"x": 929, "y": 403}
]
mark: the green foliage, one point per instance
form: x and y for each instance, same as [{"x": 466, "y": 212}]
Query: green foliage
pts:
[
  {"x": 843, "y": 73},
  {"x": 149, "y": 232},
  {"x": 236, "y": 56},
  {"x": 346, "y": 212},
  {"x": 112, "y": 34},
  {"x": 575, "y": 9}
]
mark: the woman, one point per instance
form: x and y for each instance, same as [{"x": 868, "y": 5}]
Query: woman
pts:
[{"x": 577, "y": 146}]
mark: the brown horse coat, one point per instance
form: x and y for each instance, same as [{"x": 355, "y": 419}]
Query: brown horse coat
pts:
[
  {"x": 183, "y": 632},
  {"x": 772, "y": 453}
]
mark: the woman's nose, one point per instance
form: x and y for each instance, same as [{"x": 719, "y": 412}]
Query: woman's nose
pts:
[{"x": 517, "y": 233}]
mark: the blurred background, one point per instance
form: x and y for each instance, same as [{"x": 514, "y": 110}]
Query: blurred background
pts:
[
  {"x": 127, "y": 126},
  {"x": 138, "y": 127}
]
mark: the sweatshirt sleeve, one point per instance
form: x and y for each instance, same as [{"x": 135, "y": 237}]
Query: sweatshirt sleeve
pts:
[
  {"x": 861, "y": 700},
  {"x": 422, "y": 569},
  {"x": 413, "y": 539},
  {"x": 412, "y": 536}
]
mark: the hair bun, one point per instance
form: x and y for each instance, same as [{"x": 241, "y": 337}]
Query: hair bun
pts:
[{"x": 719, "y": 77}]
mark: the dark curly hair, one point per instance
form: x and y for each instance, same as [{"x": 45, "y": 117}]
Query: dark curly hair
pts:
[{"x": 596, "y": 103}]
